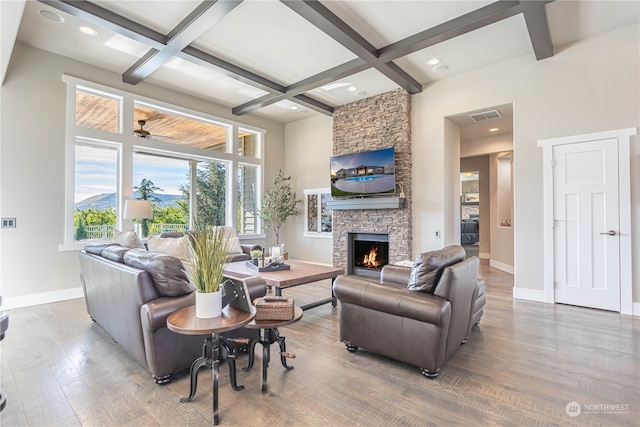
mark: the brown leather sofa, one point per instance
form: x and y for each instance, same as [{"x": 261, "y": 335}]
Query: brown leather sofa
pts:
[
  {"x": 417, "y": 315},
  {"x": 132, "y": 305}
]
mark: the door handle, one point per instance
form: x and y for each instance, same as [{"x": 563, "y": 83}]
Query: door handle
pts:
[{"x": 610, "y": 233}]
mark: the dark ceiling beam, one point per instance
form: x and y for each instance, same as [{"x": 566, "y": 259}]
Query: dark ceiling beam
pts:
[
  {"x": 320, "y": 79},
  {"x": 216, "y": 64},
  {"x": 203, "y": 17},
  {"x": 486, "y": 15},
  {"x": 321, "y": 17},
  {"x": 101, "y": 17},
  {"x": 535, "y": 16},
  {"x": 104, "y": 18}
]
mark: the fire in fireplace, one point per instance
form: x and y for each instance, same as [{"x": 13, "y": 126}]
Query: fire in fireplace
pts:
[{"x": 369, "y": 252}]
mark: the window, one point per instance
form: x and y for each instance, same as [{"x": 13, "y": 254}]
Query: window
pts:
[
  {"x": 318, "y": 221},
  {"x": 165, "y": 181},
  {"x": 96, "y": 173},
  {"x": 123, "y": 146},
  {"x": 247, "y": 199}
]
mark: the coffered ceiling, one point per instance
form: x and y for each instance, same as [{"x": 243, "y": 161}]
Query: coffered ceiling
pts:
[{"x": 286, "y": 60}]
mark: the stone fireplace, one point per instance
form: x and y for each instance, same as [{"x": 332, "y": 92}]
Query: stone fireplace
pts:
[
  {"x": 367, "y": 253},
  {"x": 374, "y": 123}
]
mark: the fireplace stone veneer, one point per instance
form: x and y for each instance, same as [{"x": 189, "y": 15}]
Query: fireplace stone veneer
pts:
[{"x": 374, "y": 123}]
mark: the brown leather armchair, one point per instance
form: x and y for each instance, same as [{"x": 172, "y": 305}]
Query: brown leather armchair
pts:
[{"x": 421, "y": 328}]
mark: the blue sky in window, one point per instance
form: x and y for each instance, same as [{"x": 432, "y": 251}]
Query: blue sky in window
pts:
[{"x": 96, "y": 172}]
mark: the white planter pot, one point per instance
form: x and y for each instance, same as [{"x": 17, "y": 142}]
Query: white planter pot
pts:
[{"x": 208, "y": 305}]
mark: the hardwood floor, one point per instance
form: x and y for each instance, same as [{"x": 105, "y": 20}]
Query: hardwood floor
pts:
[{"x": 522, "y": 365}]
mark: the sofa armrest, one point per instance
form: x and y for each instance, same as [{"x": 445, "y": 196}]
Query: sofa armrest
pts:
[{"x": 154, "y": 314}]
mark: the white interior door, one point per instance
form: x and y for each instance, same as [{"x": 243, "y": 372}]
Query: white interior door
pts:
[{"x": 586, "y": 224}]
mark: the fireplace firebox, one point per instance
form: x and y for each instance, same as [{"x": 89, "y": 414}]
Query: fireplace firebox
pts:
[{"x": 368, "y": 253}]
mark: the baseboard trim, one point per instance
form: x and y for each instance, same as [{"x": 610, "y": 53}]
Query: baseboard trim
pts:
[
  {"x": 9, "y": 303},
  {"x": 484, "y": 255},
  {"x": 528, "y": 294},
  {"x": 636, "y": 309},
  {"x": 501, "y": 266}
]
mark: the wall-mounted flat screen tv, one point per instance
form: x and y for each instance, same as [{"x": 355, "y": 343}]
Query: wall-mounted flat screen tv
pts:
[{"x": 364, "y": 174}]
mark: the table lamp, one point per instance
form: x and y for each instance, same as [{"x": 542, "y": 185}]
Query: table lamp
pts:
[{"x": 138, "y": 209}]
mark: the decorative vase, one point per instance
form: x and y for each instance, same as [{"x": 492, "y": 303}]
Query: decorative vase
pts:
[
  {"x": 254, "y": 261},
  {"x": 208, "y": 304}
]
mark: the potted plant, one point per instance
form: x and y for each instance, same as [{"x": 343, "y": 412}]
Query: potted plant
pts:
[
  {"x": 206, "y": 271},
  {"x": 255, "y": 255},
  {"x": 278, "y": 204}
]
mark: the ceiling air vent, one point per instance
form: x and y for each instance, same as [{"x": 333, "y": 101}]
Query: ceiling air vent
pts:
[{"x": 485, "y": 115}]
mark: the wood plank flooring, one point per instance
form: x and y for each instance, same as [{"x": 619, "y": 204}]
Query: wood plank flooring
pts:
[{"x": 522, "y": 365}]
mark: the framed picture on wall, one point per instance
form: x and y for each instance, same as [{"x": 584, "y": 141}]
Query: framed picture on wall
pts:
[{"x": 471, "y": 198}]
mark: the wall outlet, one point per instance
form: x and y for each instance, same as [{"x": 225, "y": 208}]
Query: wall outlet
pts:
[
  {"x": 437, "y": 234},
  {"x": 8, "y": 223}
]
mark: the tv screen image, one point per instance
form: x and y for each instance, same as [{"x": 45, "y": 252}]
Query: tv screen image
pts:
[{"x": 368, "y": 173}]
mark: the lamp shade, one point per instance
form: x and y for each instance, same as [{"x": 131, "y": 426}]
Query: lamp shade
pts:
[{"x": 137, "y": 209}]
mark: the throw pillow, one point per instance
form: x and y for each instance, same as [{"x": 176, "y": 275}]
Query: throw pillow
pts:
[
  {"x": 166, "y": 271},
  {"x": 128, "y": 239},
  {"x": 428, "y": 267},
  {"x": 177, "y": 247},
  {"x": 115, "y": 253},
  {"x": 231, "y": 240}
]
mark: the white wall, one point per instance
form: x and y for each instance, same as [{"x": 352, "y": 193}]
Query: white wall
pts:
[
  {"x": 502, "y": 241},
  {"x": 490, "y": 144},
  {"x": 32, "y": 143},
  {"x": 573, "y": 92},
  {"x": 308, "y": 146}
]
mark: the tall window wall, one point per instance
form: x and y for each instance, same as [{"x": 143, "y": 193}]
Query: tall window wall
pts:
[{"x": 122, "y": 146}]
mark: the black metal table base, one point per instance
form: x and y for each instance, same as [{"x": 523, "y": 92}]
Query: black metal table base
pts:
[
  {"x": 315, "y": 304},
  {"x": 268, "y": 337},
  {"x": 214, "y": 351}
]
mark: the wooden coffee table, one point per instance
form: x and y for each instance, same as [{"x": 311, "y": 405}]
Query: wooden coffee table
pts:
[
  {"x": 184, "y": 321},
  {"x": 300, "y": 273}
]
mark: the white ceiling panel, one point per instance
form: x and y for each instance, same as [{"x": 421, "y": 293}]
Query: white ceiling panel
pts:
[
  {"x": 65, "y": 39},
  {"x": 161, "y": 16},
  {"x": 385, "y": 22},
  {"x": 486, "y": 46},
  {"x": 361, "y": 85},
  {"x": 268, "y": 38}
]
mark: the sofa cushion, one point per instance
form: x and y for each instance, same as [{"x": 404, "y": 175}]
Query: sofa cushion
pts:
[
  {"x": 128, "y": 239},
  {"x": 115, "y": 253},
  {"x": 97, "y": 248},
  {"x": 230, "y": 238},
  {"x": 166, "y": 271},
  {"x": 428, "y": 267},
  {"x": 177, "y": 247}
]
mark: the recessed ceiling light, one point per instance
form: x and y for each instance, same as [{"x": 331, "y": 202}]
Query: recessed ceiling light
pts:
[
  {"x": 352, "y": 88},
  {"x": 361, "y": 93},
  {"x": 440, "y": 68},
  {"x": 293, "y": 107},
  {"x": 433, "y": 61},
  {"x": 87, "y": 30},
  {"x": 51, "y": 16},
  {"x": 494, "y": 130}
]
